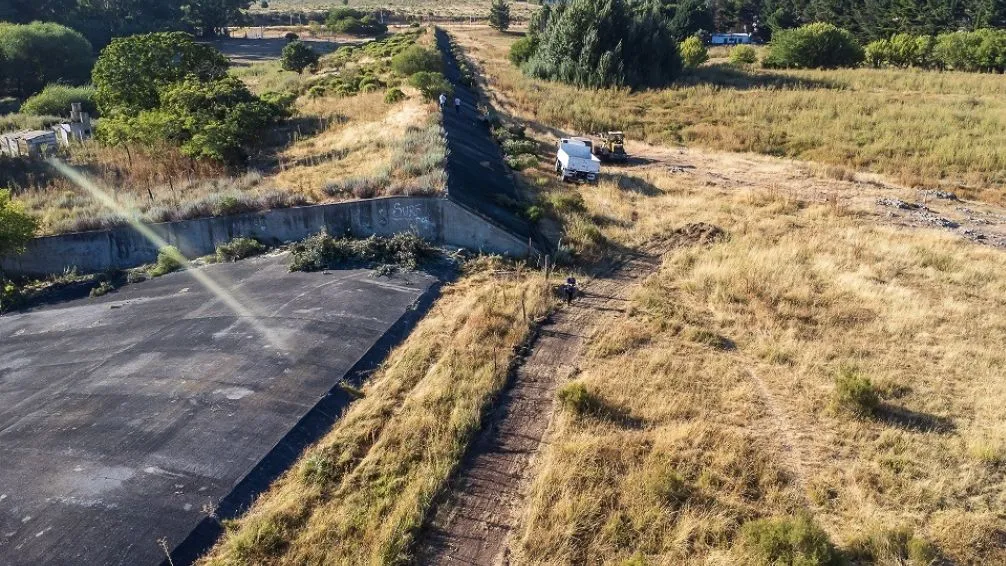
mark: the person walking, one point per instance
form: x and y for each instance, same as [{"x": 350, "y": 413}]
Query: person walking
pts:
[
  {"x": 443, "y": 100},
  {"x": 457, "y": 105}
]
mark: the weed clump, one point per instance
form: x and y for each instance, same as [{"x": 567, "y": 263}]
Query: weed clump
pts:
[
  {"x": 892, "y": 546},
  {"x": 788, "y": 540},
  {"x": 322, "y": 251},
  {"x": 169, "y": 259},
  {"x": 239, "y": 248},
  {"x": 575, "y": 398},
  {"x": 855, "y": 394}
]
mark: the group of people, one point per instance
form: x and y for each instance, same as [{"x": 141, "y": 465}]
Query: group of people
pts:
[{"x": 457, "y": 103}]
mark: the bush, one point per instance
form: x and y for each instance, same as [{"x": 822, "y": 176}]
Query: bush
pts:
[
  {"x": 630, "y": 47},
  {"x": 892, "y": 546},
  {"x": 354, "y": 22},
  {"x": 239, "y": 248},
  {"x": 575, "y": 398},
  {"x": 321, "y": 251},
  {"x": 55, "y": 100},
  {"x": 393, "y": 95},
  {"x": 431, "y": 84},
  {"x": 813, "y": 46},
  {"x": 298, "y": 56},
  {"x": 522, "y": 161},
  {"x": 790, "y": 540},
  {"x": 693, "y": 52},
  {"x": 519, "y": 146},
  {"x": 415, "y": 59},
  {"x": 855, "y": 394},
  {"x": 17, "y": 227},
  {"x": 522, "y": 50},
  {"x": 169, "y": 259},
  {"x": 37, "y": 54},
  {"x": 743, "y": 55},
  {"x": 290, "y": 36}
]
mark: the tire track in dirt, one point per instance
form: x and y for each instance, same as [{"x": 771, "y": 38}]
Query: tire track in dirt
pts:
[{"x": 473, "y": 522}]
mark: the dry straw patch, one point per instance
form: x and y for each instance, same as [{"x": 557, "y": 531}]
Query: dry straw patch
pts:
[
  {"x": 360, "y": 494},
  {"x": 711, "y": 401}
]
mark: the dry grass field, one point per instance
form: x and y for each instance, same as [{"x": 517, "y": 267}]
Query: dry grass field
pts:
[
  {"x": 716, "y": 398},
  {"x": 418, "y": 9},
  {"x": 360, "y": 494},
  {"x": 920, "y": 128}
]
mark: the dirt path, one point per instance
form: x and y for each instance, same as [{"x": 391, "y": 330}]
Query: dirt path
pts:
[{"x": 472, "y": 524}]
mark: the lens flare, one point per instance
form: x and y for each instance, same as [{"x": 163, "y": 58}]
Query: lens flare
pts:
[{"x": 240, "y": 305}]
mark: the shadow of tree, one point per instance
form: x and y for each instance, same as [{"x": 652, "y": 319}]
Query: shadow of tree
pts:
[{"x": 731, "y": 77}]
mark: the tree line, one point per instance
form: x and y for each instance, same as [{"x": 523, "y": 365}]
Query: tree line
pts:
[
  {"x": 101, "y": 20},
  {"x": 867, "y": 20}
]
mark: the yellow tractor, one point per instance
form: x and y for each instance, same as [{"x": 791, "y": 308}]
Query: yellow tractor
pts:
[{"x": 610, "y": 146}]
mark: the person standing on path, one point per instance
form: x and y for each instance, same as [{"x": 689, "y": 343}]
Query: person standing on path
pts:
[
  {"x": 443, "y": 100},
  {"x": 457, "y": 105}
]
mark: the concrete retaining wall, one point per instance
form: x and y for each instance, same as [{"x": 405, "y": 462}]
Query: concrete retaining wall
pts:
[{"x": 436, "y": 220}]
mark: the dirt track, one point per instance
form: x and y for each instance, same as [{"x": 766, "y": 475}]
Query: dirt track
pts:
[{"x": 472, "y": 524}]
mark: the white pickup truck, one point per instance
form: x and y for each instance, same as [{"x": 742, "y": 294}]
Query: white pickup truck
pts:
[{"x": 575, "y": 161}]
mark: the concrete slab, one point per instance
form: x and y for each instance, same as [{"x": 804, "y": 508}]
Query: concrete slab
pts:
[{"x": 125, "y": 419}]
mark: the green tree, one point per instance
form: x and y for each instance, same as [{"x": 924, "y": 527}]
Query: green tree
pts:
[
  {"x": 17, "y": 227},
  {"x": 743, "y": 55},
  {"x": 499, "y": 15},
  {"x": 522, "y": 50},
  {"x": 210, "y": 17},
  {"x": 218, "y": 120},
  {"x": 298, "y": 56},
  {"x": 430, "y": 84},
  {"x": 693, "y": 52},
  {"x": 600, "y": 43},
  {"x": 814, "y": 46},
  {"x": 36, "y": 54},
  {"x": 354, "y": 22},
  {"x": 131, "y": 71},
  {"x": 416, "y": 58},
  {"x": 691, "y": 17}
]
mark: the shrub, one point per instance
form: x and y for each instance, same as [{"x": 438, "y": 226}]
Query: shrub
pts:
[
  {"x": 415, "y": 59},
  {"x": 892, "y": 546},
  {"x": 693, "y": 52},
  {"x": 854, "y": 393},
  {"x": 321, "y": 251},
  {"x": 519, "y": 146},
  {"x": 55, "y": 100},
  {"x": 522, "y": 161},
  {"x": 239, "y": 248},
  {"x": 298, "y": 56},
  {"x": 430, "y": 84},
  {"x": 788, "y": 540},
  {"x": 290, "y": 36},
  {"x": 169, "y": 259},
  {"x": 632, "y": 47},
  {"x": 575, "y": 398},
  {"x": 522, "y": 50},
  {"x": 813, "y": 46},
  {"x": 393, "y": 95},
  {"x": 743, "y": 55},
  {"x": 17, "y": 227},
  {"x": 354, "y": 22},
  {"x": 36, "y": 54}
]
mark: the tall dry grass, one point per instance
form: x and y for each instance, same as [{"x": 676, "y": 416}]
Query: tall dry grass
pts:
[
  {"x": 925, "y": 128},
  {"x": 360, "y": 494},
  {"x": 711, "y": 400}
]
